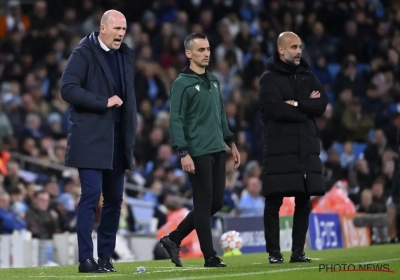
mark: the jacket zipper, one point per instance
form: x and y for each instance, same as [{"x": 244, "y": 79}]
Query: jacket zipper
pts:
[
  {"x": 112, "y": 149},
  {"x": 304, "y": 173},
  {"x": 210, "y": 90}
]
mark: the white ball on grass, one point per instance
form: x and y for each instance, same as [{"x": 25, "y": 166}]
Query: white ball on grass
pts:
[{"x": 141, "y": 270}]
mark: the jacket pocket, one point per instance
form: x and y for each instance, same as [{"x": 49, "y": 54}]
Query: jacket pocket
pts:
[
  {"x": 200, "y": 132},
  {"x": 193, "y": 133},
  {"x": 77, "y": 117}
]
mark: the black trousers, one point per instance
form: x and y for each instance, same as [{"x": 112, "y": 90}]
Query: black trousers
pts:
[
  {"x": 300, "y": 222},
  {"x": 208, "y": 184}
]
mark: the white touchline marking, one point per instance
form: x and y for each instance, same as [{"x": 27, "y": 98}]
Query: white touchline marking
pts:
[
  {"x": 179, "y": 269},
  {"x": 74, "y": 276},
  {"x": 163, "y": 267},
  {"x": 202, "y": 268},
  {"x": 147, "y": 272},
  {"x": 270, "y": 271},
  {"x": 172, "y": 266},
  {"x": 314, "y": 259}
]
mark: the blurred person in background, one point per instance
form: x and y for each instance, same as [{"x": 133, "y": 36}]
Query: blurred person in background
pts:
[
  {"x": 13, "y": 19},
  {"x": 40, "y": 219},
  {"x": 252, "y": 202},
  {"x": 8, "y": 221}
]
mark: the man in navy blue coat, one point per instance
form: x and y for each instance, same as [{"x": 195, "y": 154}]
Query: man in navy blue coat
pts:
[{"x": 98, "y": 82}]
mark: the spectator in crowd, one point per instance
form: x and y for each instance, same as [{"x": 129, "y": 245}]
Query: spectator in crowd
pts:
[
  {"x": 4, "y": 159},
  {"x": 13, "y": 19},
  {"x": 378, "y": 198},
  {"x": 8, "y": 221},
  {"x": 355, "y": 124},
  {"x": 347, "y": 157},
  {"x": 365, "y": 201},
  {"x": 41, "y": 220},
  {"x": 18, "y": 205},
  {"x": 252, "y": 202}
]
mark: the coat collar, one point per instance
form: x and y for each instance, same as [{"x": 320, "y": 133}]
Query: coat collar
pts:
[
  {"x": 98, "y": 50},
  {"x": 274, "y": 63},
  {"x": 93, "y": 37}
]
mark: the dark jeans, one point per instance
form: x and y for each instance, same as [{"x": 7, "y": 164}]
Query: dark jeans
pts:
[
  {"x": 208, "y": 184},
  {"x": 300, "y": 222}
]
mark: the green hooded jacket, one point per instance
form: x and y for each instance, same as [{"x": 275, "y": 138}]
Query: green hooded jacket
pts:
[{"x": 198, "y": 121}]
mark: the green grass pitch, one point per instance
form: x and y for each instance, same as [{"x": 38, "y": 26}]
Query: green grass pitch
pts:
[{"x": 248, "y": 266}]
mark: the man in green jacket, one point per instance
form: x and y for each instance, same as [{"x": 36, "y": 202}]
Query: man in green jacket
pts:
[{"x": 199, "y": 131}]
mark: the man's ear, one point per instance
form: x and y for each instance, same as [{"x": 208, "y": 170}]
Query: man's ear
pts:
[
  {"x": 102, "y": 28},
  {"x": 188, "y": 54},
  {"x": 281, "y": 50}
]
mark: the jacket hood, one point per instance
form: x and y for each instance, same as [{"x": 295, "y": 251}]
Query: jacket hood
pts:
[
  {"x": 275, "y": 64},
  {"x": 190, "y": 73},
  {"x": 90, "y": 41},
  {"x": 187, "y": 70}
]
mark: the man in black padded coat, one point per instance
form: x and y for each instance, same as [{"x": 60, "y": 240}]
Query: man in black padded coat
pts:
[{"x": 290, "y": 97}]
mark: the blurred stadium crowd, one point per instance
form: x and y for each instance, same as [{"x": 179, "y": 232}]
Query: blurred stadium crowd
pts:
[{"x": 353, "y": 47}]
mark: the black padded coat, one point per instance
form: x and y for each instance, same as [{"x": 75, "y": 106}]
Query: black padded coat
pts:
[{"x": 291, "y": 163}]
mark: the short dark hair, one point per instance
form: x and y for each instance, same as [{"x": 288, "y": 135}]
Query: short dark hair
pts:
[
  {"x": 39, "y": 192},
  {"x": 189, "y": 39},
  {"x": 15, "y": 191}
]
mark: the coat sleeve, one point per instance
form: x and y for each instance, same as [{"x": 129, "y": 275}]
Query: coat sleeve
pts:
[
  {"x": 72, "y": 80},
  {"x": 134, "y": 105},
  {"x": 178, "y": 107},
  {"x": 314, "y": 106},
  {"x": 272, "y": 104}
]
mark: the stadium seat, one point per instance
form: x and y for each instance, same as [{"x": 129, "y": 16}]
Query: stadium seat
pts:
[
  {"x": 335, "y": 40},
  {"x": 371, "y": 134},
  {"x": 249, "y": 137},
  {"x": 246, "y": 14},
  {"x": 362, "y": 67},
  {"x": 380, "y": 12},
  {"x": 143, "y": 211},
  {"x": 394, "y": 108},
  {"x": 338, "y": 147},
  {"x": 358, "y": 148},
  {"x": 333, "y": 69},
  {"x": 331, "y": 97}
]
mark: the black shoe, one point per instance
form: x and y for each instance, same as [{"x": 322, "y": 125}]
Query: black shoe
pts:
[
  {"x": 394, "y": 240},
  {"x": 173, "y": 250},
  {"x": 214, "y": 262},
  {"x": 106, "y": 263},
  {"x": 275, "y": 257},
  {"x": 90, "y": 266},
  {"x": 299, "y": 257}
]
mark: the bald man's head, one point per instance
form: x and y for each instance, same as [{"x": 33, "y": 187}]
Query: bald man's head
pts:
[
  {"x": 110, "y": 14},
  {"x": 112, "y": 29},
  {"x": 289, "y": 48}
]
